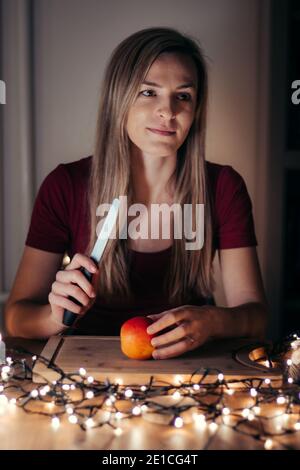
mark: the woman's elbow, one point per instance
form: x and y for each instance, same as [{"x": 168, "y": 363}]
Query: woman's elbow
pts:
[{"x": 9, "y": 324}]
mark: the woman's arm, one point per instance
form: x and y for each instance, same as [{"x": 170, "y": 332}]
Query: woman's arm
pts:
[
  {"x": 27, "y": 310},
  {"x": 42, "y": 292},
  {"x": 247, "y": 310},
  {"x": 246, "y": 314}
]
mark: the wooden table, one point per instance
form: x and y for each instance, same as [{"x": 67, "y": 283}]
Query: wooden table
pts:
[{"x": 19, "y": 430}]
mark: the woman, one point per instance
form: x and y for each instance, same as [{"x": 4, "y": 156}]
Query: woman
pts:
[{"x": 149, "y": 147}]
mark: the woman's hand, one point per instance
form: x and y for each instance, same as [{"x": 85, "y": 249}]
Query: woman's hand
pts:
[
  {"x": 191, "y": 326},
  {"x": 72, "y": 282}
]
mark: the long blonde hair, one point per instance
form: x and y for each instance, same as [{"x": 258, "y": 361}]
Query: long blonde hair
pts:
[{"x": 190, "y": 272}]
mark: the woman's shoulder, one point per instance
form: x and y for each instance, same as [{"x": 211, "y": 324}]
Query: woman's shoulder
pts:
[
  {"x": 215, "y": 171},
  {"x": 66, "y": 183},
  {"x": 66, "y": 176},
  {"x": 232, "y": 207},
  {"x": 223, "y": 178},
  {"x": 60, "y": 207},
  {"x": 78, "y": 169}
]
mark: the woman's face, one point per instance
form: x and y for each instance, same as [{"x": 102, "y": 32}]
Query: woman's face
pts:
[{"x": 166, "y": 102}]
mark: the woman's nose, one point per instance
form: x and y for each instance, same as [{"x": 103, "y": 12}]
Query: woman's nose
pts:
[{"x": 166, "y": 110}]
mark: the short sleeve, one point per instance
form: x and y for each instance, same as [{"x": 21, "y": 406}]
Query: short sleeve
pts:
[
  {"x": 49, "y": 228},
  {"x": 234, "y": 218}
]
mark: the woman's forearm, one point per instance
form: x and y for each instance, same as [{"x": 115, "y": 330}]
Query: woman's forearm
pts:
[
  {"x": 248, "y": 320},
  {"x": 28, "y": 319}
]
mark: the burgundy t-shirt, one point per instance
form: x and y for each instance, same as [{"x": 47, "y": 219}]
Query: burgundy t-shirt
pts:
[{"x": 59, "y": 224}]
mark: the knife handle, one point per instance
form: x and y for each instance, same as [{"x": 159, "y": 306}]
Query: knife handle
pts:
[{"x": 70, "y": 317}]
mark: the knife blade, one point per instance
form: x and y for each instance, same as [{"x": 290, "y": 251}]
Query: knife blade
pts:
[{"x": 96, "y": 255}]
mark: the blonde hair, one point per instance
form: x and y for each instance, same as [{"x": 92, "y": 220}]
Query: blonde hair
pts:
[{"x": 190, "y": 272}]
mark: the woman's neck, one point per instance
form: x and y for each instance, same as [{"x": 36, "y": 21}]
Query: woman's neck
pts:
[{"x": 151, "y": 177}]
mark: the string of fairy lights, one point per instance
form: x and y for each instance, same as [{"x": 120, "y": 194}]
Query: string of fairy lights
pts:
[{"x": 263, "y": 408}]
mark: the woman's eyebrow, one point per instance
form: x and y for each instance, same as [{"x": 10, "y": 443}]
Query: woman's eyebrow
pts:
[{"x": 184, "y": 85}]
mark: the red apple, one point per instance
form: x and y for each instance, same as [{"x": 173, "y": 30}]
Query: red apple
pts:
[{"x": 135, "y": 341}]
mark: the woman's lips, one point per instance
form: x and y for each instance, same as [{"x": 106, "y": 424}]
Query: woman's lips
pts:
[{"x": 157, "y": 131}]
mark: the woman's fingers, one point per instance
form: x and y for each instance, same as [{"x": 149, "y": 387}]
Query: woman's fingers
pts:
[
  {"x": 64, "y": 302},
  {"x": 183, "y": 329},
  {"x": 72, "y": 290},
  {"x": 180, "y": 332},
  {"x": 169, "y": 318},
  {"x": 155, "y": 316},
  {"x": 76, "y": 277},
  {"x": 173, "y": 350},
  {"x": 78, "y": 261}
]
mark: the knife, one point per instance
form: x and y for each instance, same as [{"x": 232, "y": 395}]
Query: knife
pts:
[{"x": 96, "y": 255}]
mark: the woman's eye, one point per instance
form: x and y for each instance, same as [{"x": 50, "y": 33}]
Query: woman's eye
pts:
[
  {"x": 181, "y": 96},
  {"x": 185, "y": 97},
  {"x": 146, "y": 91}
]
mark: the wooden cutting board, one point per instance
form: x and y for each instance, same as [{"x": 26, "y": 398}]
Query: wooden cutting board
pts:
[{"x": 102, "y": 358}]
